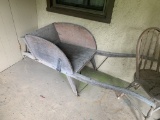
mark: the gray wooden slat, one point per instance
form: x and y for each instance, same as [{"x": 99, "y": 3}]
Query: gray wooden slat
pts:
[
  {"x": 49, "y": 56},
  {"x": 78, "y": 56},
  {"x": 158, "y": 64},
  {"x": 48, "y": 33},
  {"x": 75, "y": 34},
  {"x": 111, "y": 54},
  {"x": 156, "y": 47},
  {"x": 142, "y": 56}
]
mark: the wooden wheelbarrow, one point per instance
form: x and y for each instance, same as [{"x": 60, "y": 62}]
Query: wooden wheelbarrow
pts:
[{"x": 67, "y": 48}]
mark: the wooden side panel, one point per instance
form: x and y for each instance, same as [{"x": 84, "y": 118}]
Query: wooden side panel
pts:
[
  {"x": 9, "y": 47},
  {"x": 75, "y": 35},
  {"x": 48, "y": 54},
  {"x": 78, "y": 56},
  {"x": 48, "y": 33}
]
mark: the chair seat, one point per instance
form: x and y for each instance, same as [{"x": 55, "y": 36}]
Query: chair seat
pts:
[
  {"x": 78, "y": 56},
  {"x": 150, "y": 81}
]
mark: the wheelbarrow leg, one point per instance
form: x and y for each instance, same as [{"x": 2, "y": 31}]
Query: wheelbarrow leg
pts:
[
  {"x": 93, "y": 63},
  {"x": 72, "y": 84}
]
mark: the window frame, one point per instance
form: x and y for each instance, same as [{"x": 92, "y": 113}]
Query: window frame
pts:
[{"x": 83, "y": 13}]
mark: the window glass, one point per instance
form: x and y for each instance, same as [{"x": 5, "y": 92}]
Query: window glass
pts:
[
  {"x": 88, "y": 4},
  {"x": 97, "y": 10}
]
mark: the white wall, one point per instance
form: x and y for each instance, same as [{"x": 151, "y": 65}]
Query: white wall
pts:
[
  {"x": 9, "y": 46},
  {"x": 25, "y": 17},
  {"x": 17, "y": 17},
  {"x": 130, "y": 18}
]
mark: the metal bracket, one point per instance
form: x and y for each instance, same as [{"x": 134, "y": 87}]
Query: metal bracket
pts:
[{"x": 59, "y": 65}]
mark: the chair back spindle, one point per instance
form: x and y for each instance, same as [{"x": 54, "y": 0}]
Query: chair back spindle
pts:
[{"x": 148, "y": 50}]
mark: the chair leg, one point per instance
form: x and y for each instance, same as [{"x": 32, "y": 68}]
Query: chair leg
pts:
[
  {"x": 93, "y": 63},
  {"x": 133, "y": 84},
  {"x": 149, "y": 114},
  {"x": 157, "y": 109},
  {"x": 136, "y": 86},
  {"x": 152, "y": 111},
  {"x": 72, "y": 84}
]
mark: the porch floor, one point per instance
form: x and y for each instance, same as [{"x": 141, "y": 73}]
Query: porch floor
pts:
[{"x": 32, "y": 91}]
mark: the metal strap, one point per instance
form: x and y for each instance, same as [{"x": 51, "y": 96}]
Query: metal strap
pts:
[{"x": 59, "y": 65}]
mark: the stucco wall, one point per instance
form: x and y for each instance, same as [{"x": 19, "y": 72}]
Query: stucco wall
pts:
[{"x": 129, "y": 19}]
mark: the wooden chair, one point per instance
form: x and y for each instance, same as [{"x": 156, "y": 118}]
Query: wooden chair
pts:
[{"x": 148, "y": 66}]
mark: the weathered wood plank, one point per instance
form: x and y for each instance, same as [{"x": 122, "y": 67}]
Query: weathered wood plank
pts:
[
  {"x": 49, "y": 56},
  {"x": 78, "y": 56},
  {"x": 88, "y": 80},
  {"x": 111, "y": 54},
  {"x": 75, "y": 34}
]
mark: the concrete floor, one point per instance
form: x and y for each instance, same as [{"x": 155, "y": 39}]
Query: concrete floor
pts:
[{"x": 32, "y": 91}]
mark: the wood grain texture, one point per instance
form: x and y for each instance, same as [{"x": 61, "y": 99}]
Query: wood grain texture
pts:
[
  {"x": 75, "y": 35},
  {"x": 78, "y": 56},
  {"x": 48, "y": 53},
  {"x": 48, "y": 32}
]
